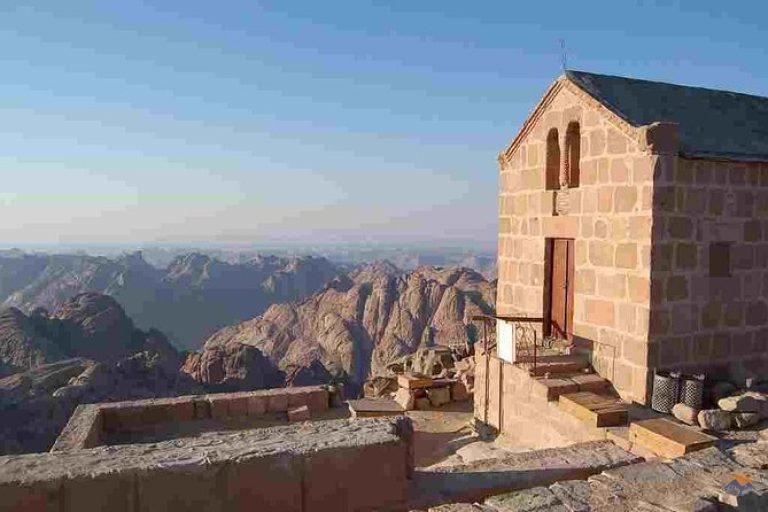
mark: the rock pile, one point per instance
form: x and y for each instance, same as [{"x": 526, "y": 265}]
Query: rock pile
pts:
[
  {"x": 430, "y": 377},
  {"x": 735, "y": 410}
]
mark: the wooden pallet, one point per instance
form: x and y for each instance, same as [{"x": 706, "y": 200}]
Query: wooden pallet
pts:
[
  {"x": 668, "y": 439},
  {"x": 595, "y": 410}
]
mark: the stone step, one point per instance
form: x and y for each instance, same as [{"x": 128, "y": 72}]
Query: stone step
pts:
[
  {"x": 558, "y": 365},
  {"x": 550, "y": 389},
  {"x": 595, "y": 410},
  {"x": 668, "y": 439}
]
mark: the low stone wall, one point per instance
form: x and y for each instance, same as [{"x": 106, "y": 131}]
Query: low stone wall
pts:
[
  {"x": 91, "y": 424},
  {"x": 516, "y": 408},
  {"x": 340, "y": 465}
]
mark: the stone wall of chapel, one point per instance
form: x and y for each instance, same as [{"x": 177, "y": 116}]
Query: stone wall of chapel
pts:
[
  {"x": 702, "y": 323},
  {"x": 610, "y": 220}
]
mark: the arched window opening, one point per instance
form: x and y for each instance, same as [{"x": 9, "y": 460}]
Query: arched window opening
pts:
[
  {"x": 553, "y": 160},
  {"x": 573, "y": 153}
]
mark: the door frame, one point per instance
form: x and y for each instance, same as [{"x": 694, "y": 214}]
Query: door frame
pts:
[{"x": 549, "y": 245}]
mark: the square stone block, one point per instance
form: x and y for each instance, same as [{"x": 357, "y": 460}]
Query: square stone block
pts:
[
  {"x": 257, "y": 405},
  {"x": 109, "y": 491},
  {"x": 219, "y": 406},
  {"x": 340, "y": 478},
  {"x": 181, "y": 486},
  {"x": 277, "y": 402},
  {"x": 27, "y": 499},
  {"x": 265, "y": 483},
  {"x": 238, "y": 405}
]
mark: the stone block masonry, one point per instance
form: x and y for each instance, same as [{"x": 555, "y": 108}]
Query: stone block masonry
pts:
[
  {"x": 91, "y": 425},
  {"x": 338, "y": 465}
]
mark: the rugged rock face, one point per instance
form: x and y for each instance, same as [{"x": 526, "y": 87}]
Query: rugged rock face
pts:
[
  {"x": 363, "y": 321},
  {"x": 189, "y": 300},
  {"x": 36, "y": 404},
  {"x": 233, "y": 367},
  {"x": 87, "y": 351}
]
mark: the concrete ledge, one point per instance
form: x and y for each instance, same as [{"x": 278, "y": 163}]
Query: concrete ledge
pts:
[
  {"x": 311, "y": 467},
  {"x": 89, "y": 424}
]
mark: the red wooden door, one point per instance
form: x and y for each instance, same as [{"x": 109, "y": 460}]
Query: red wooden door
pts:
[{"x": 561, "y": 288}]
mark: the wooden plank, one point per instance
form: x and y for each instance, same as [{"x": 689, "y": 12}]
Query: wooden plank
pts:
[
  {"x": 595, "y": 410},
  {"x": 413, "y": 382},
  {"x": 667, "y": 438}
]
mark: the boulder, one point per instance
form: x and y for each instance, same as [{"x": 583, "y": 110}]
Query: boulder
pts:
[
  {"x": 762, "y": 437},
  {"x": 405, "y": 398},
  {"x": 439, "y": 396},
  {"x": 685, "y": 413},
  {"x": 745, "y": 419},
  {"x": 715, "y": 420},
  {"x": 746, "y": 402}
]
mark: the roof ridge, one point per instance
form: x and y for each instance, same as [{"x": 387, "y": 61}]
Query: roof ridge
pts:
[{"x": 569, "y": 72}]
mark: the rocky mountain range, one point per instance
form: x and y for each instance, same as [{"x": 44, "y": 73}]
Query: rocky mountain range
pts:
[
  {"x": 190, "y": 299},
  {"x": 87, "y": 350},
  {"x": 358, "y": 324}
]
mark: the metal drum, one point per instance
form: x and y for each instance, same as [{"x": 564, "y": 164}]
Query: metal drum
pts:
[
  {"x": 666, "y": 389},
  {"x": 692, "y": 391}
]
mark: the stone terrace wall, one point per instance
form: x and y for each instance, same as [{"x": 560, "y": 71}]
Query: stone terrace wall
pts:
[
  {"x": 358, "y": 465},
  {"x": 610, "y": 220},
  {"x": 702, "y": 323},
  {"x": 91, "y": 424}
]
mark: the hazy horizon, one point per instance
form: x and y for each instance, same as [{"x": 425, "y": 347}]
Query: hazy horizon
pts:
[{"x": 307, "y": 123}]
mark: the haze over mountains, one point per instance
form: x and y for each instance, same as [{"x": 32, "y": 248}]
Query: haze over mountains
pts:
[{"x": 188, "y": 300}]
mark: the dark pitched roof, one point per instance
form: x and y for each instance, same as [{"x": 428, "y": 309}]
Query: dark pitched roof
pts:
[{"x": 713, "y": 123}]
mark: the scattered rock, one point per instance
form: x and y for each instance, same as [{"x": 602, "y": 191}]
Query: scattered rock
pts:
[
  {"x": 752, "y": 455},
  {"x": 376, "y": 387},
  {"x": 745, "y": 419},
  {"x": 439, "y": 396},
  {"x": 685, "y": 413},
  {"x": 405, "y": 398},
  {"x": 299, "y": 414},
  {"x": 715, "y": 420},
  {"x": 762, "y": 437},
  {"x": 747, "y": 402},
  {"x": 422, "y": 404},
  {"x": 459, "y": 392}
]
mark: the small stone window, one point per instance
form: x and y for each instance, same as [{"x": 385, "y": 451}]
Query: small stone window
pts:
[
  {"x": 573, "y": 153},
  {"x": 720, "y": 259},
  {"x": 553, "y": 160}
]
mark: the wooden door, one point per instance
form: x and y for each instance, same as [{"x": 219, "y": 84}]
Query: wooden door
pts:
[{"x": 560, "y": 288}]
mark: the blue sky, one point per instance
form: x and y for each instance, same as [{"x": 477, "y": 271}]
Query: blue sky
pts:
[{"x": 358, "y": 121}]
